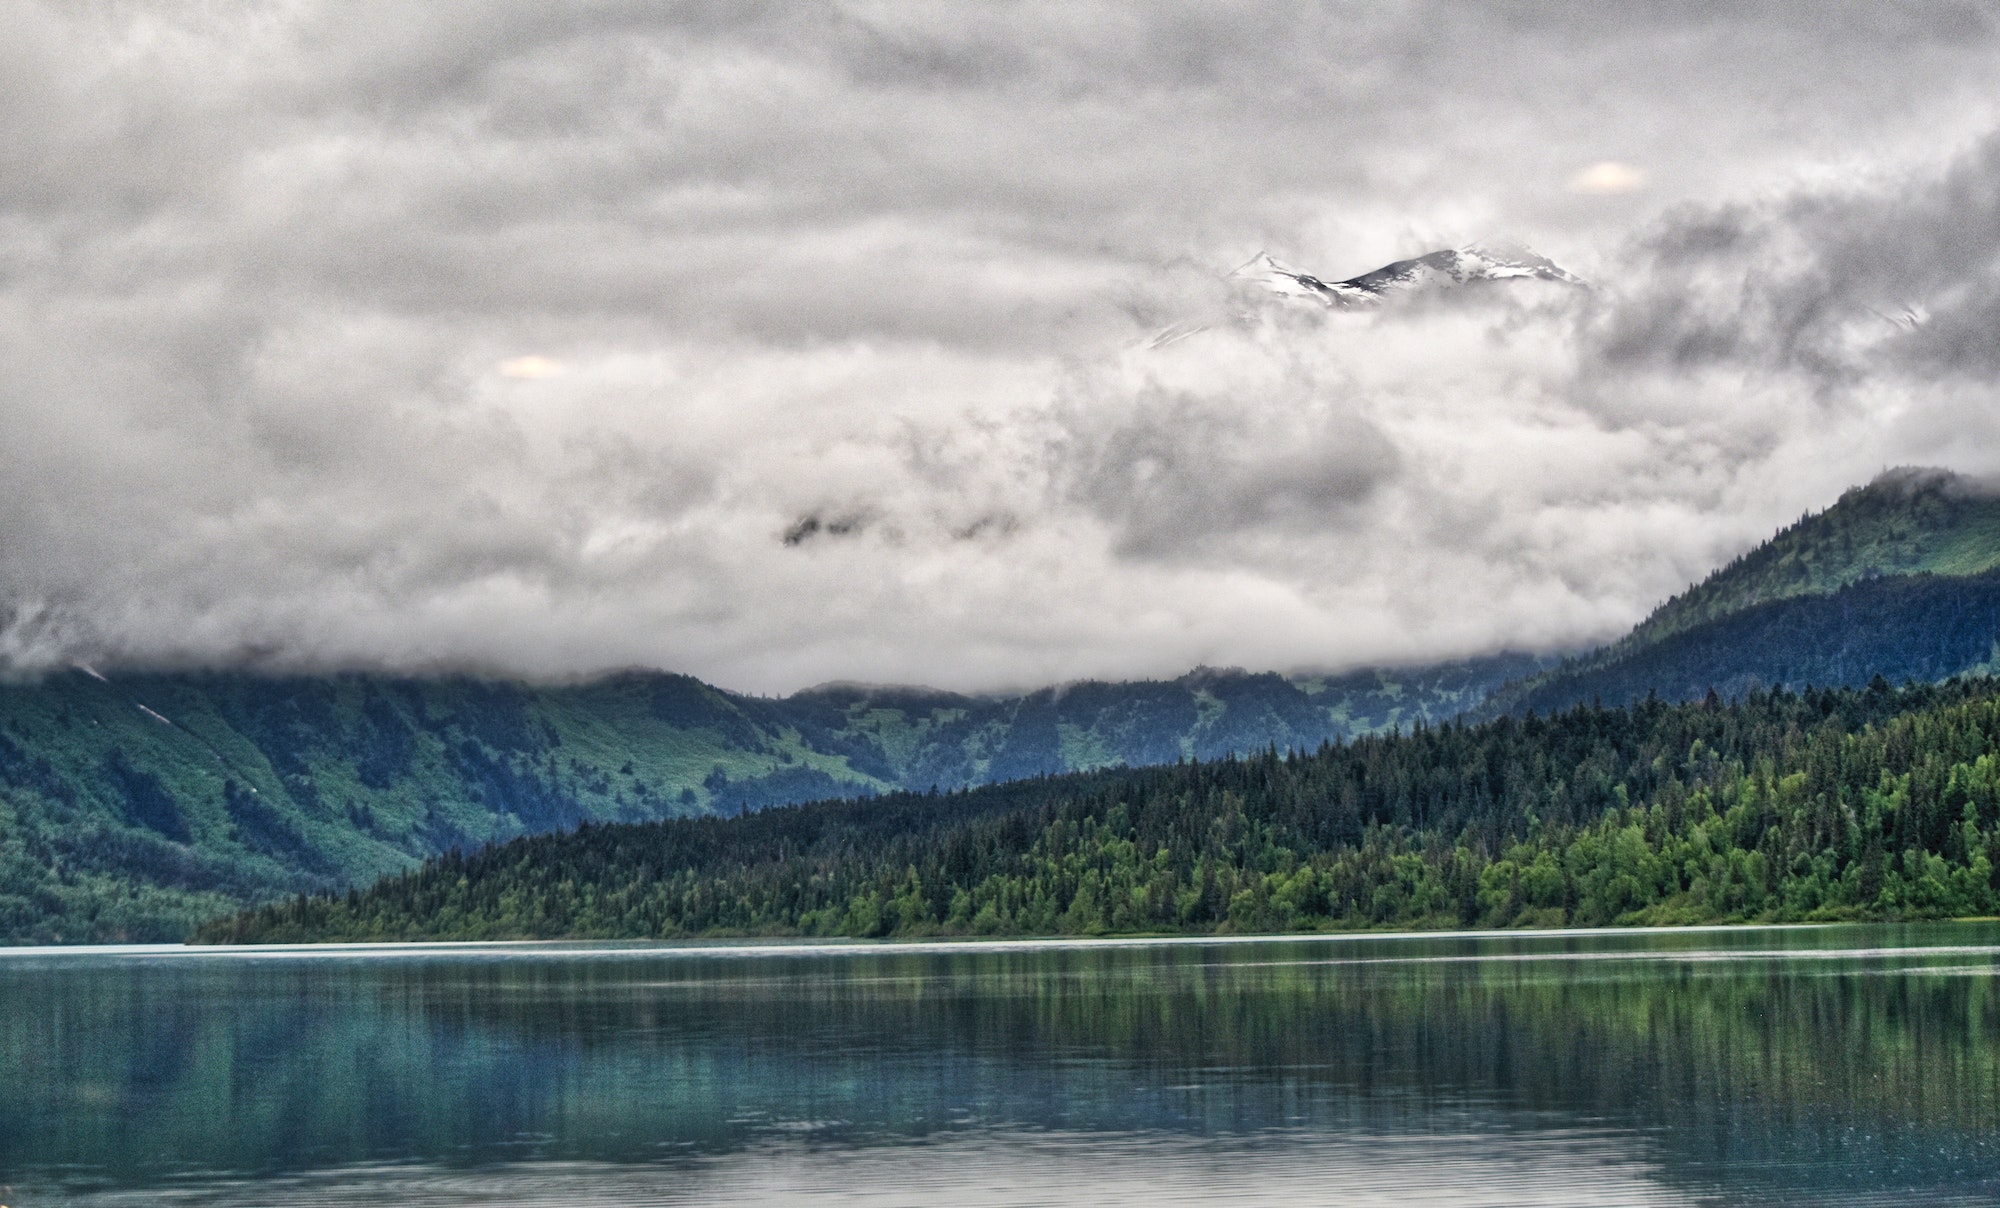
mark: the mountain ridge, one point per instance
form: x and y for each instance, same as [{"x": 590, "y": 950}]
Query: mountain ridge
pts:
[
  {"x": 1895, "y": 578},
  {"x": 132, "y": 804},
  {"x": 1447, "y": 266},
  {"x": 1909, "y": 519},
  {"x": 1831, "y": 805}
]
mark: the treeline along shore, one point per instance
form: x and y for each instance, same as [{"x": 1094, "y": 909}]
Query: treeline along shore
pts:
[{"x": 1822, "y": 805}]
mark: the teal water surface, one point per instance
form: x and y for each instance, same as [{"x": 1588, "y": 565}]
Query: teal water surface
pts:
[{"x": 1843, "y": 1065}]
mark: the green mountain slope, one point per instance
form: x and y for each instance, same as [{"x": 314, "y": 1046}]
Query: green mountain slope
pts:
[
  {"x": 1871, "y": 802},
  {"x": 133, "y": 805},
  {"x": 920, "y": 739},
  {"x": 138, "y": 803},
  {"x": 1906, "y": 627},
  {"x": 1908, "y": 521},
  {"x": 1896, "y": 579}
]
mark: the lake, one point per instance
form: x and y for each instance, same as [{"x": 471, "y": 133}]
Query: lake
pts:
[{"x": 1836, "y": 1065}]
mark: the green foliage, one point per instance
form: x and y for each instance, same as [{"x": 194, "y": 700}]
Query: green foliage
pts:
[
  {"x": 132, "y": 806},
  {"x": 1900, "y": 578},
  {"x": 1914, "y": 627},
  {"x": 1872, "y": 803},
  {"x": 183, "y": 792},
  {"x": 1907, "y": 522},
  {"x": 920, "y": 739}
]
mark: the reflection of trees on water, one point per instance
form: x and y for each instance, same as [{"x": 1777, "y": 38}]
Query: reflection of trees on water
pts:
[{"x": 288, "y": 1065}]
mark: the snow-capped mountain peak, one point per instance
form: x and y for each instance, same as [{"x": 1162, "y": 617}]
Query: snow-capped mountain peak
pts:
[{"x": 1452, "y": 266}]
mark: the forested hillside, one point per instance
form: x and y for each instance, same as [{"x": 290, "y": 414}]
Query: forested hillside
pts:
[
  {"x": 1875, "y": 802},
  {"x": 1909, "y": 521},
  {"x": 1899, "y": 578},
  {"x": 133, "y": 805},
  {"x": 1909, "y": 627}
]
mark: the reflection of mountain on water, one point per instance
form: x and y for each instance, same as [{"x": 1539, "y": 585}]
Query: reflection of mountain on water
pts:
[{"x": 1798, "y": 1062}]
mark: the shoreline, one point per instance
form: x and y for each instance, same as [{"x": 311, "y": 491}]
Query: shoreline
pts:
[{"x": 791, "y": 947}]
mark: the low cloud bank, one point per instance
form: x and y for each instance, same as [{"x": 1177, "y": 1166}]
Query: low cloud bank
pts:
[{"x": 780, "y": 346}]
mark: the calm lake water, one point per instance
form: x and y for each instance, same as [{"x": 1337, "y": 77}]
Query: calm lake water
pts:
[{"x": 1849, "y": 1065}]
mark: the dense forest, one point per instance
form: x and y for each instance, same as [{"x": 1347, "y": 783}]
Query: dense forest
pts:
[
  {"x": 1827, "y": 804},
  {"x": 1904, "y": 627},
  {"x": 1909, "y": 521},
  {"x": 1899, "y": 578},
  {"x": 134, "y": 805}
]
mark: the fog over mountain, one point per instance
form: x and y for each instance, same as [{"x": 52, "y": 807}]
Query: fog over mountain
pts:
[{"x": 778, "y": 344}]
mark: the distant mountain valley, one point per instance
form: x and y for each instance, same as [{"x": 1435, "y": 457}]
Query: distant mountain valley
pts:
[{"x": 134, "y": 805}]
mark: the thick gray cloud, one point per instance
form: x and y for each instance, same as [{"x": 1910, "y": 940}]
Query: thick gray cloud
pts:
[
  {"x": 1843, "y": 283},
  {"x": 780, "y": 343}
]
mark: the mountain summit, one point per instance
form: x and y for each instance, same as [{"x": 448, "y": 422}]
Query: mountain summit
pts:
[{"x": 1452, "y": 266}]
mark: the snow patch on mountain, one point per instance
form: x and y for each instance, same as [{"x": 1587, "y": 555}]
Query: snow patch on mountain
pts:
[{"x": 1449, "y": 267}]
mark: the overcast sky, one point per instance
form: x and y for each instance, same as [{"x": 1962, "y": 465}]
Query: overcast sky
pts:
[{"x": 779, "y": 344}]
